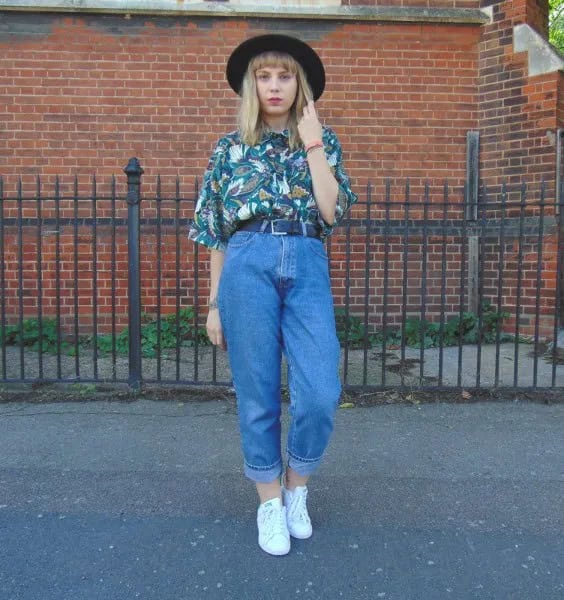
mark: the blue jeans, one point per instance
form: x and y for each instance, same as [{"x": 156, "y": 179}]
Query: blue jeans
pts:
[{"x": 275, "y": 297}]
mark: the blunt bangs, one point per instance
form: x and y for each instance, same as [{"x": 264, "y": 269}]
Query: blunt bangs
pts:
[{"x": 275, "y": 60}]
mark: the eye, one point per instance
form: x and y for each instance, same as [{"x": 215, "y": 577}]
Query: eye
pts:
[
  {"x": 286, "y": 76},
  {"x": 263, "y": 76}
]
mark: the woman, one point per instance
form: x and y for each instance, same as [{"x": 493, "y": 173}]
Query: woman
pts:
[{"x": 273, "y": 190}]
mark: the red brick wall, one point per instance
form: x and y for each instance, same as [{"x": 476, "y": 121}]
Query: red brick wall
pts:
[
  {"x": 515, "y": 110},
  {"x": 80, "y": 95},
  {"x": 518, "y": 117}
]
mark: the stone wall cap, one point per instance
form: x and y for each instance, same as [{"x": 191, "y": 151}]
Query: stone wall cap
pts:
[
  {"x": 543, "y": 57},
  {"x": 225, "y": 9}
]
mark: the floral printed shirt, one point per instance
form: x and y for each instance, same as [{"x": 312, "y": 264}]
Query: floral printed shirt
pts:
[{"x": 266, "y": 181}]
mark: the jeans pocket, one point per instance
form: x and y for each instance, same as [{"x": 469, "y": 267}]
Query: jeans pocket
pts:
[
  {"x": 240, "y": 239},
  {"x": 317, "y": 247}
]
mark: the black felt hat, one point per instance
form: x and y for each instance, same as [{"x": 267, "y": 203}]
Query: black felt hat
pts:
[{"x": 304, "y": 54}]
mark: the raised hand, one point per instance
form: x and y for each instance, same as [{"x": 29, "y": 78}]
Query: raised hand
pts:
[{"x": 309, "y": 127}]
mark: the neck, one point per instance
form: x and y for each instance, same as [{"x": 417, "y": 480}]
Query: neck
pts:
[{"x": 277, "y": 124}]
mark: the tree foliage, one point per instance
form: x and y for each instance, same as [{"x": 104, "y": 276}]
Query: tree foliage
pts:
[{"x": 556, "y": 23}]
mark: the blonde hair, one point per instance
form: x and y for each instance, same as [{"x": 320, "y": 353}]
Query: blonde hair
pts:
[{"x": 251, "y": 125}]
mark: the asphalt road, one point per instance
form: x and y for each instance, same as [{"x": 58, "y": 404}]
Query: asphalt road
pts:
[{"x": 147, "y": 500}]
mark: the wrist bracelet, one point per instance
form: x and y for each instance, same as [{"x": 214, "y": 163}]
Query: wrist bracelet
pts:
[
  {"x": 313, "y": 148},
  {"x": 313, "y": 145}
]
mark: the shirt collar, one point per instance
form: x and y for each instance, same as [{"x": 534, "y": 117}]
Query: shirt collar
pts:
[{"x": 269, "y": 134}]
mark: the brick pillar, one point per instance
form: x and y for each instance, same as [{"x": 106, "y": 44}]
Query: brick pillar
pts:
[
  {"x": 517, "y": 111},
  {"x": 531, "y": 12},
  {"x": 520, "y": 110}
]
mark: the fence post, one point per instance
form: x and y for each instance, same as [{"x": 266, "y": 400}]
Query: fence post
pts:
[
  {"x": 471, "y": 214},
  {"x": 560, "y": 221},
  {"x": 133, "y": 170}
]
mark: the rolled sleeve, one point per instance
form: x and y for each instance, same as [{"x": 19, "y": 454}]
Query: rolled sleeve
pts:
[
  {"x": 346, "y": 197},
  {"x": 207, "y": 225}
]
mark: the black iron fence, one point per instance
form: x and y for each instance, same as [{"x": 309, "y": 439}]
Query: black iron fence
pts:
[{"x": 428, "y": 294}]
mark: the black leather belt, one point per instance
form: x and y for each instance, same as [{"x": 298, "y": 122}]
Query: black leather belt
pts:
[{"x": 281, "y": 227}]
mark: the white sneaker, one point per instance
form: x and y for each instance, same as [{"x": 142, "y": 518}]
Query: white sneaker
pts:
[
  {"x": 273, "y": 531},
  {"x": 297, "y": 517}
]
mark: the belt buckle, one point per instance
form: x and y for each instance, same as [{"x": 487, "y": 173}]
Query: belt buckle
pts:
[{"x": 276, "y": 232}]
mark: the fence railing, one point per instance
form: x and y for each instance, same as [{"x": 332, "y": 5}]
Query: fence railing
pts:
[{"x": 107, "y": 288}]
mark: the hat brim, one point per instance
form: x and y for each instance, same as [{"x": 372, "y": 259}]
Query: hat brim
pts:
[{"x": 300, "y": 51}]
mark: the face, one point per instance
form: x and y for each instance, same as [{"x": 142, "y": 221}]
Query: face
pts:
[{"x": 277, "y": 89}]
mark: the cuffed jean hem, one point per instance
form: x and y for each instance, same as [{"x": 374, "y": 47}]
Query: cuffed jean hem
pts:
[
  {"x": 267, "y": 475},
  {"x": 301, "y": 467}
]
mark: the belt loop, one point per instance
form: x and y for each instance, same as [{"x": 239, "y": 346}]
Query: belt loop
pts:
[
  {"x": 304, "y": 229},
  {"x": 264, "y": 225}
]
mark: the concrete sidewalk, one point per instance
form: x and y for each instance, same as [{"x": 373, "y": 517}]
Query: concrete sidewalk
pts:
[{"x": 119, "y": 501}]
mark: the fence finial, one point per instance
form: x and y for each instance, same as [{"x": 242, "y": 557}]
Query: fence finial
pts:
[{"x": 133, "y": 168}]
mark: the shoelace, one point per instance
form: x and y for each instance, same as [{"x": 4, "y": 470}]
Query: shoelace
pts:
[
  {"x": 297, "y": 510},
  {"x": 273, "y": 521}
]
